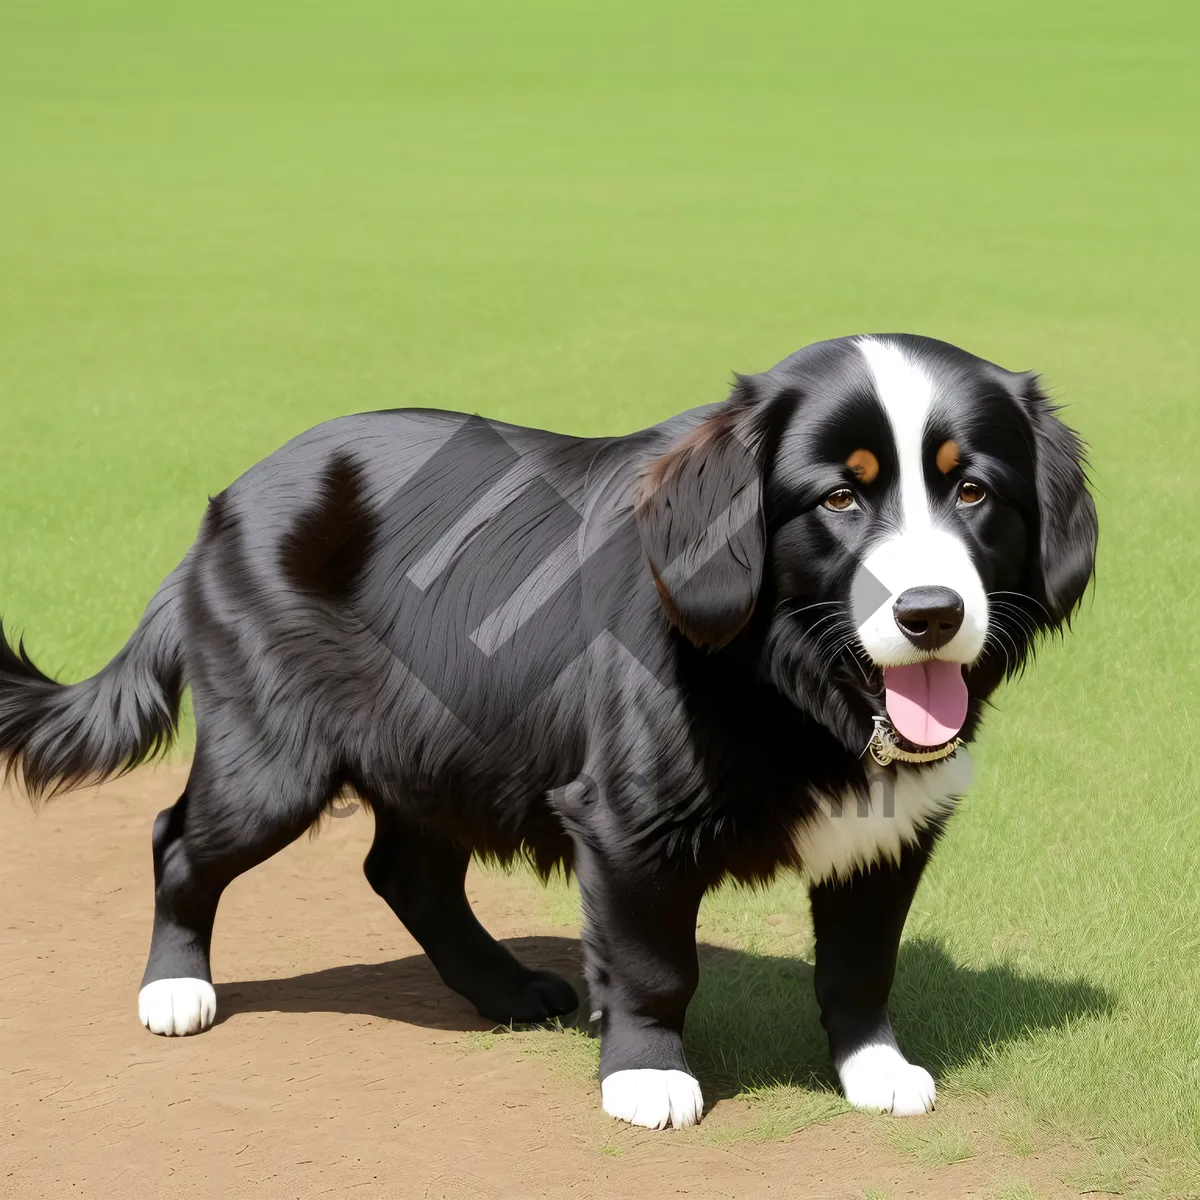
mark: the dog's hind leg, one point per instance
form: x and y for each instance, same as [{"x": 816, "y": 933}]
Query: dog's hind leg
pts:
[
  {"x": 226, "y": 822},
  {"x": 421, "y": 874}
]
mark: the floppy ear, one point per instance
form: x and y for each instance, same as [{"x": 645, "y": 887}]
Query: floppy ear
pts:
[
  {"x": 1067, "y": 528},
  {"x": 700, "y": 519}
]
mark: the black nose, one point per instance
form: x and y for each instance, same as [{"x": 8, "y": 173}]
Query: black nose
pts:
[{"x": 928, "y": 616}]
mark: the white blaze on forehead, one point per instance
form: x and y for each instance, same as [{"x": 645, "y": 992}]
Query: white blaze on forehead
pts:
[
  {"x": 918, "y": 553},
  {"x": 906, "y": 393}
]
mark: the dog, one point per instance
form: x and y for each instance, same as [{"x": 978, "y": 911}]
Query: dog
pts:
[{"x": 756, "y": 637}]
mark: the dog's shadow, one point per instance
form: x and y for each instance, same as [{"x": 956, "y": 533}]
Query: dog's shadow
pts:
[{"x": 753, "y": 1021}]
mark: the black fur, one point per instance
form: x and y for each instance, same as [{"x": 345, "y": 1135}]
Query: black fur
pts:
[
  {"x": 509, "y": 641},
  {"x": 60, "y": 737}
]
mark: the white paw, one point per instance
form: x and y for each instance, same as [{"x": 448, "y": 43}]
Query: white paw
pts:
[
  {"x": 880, "y": 1077},
  {"x": 177, "y": 1006},
  {"x": 654, "y": 1099}
]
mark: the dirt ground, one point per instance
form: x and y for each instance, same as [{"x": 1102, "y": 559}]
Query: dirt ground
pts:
[{"x": 340, "y": 1065}]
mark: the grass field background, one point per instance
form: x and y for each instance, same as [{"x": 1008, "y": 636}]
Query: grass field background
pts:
[{"x": 222, "y": 223}]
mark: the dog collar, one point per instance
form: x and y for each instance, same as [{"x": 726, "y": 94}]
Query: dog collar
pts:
[{"x": 885, "y": 749}]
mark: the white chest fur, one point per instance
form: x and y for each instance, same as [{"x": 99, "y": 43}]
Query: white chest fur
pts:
[{"x": 851, "y": 831}]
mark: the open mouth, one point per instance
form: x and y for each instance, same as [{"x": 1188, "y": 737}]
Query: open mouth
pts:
[{"x": 926, "y": 703}]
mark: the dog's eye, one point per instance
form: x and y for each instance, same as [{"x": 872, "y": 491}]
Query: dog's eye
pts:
[
  {"x": 840, "y": 501},
  {"x": 970, "y": 492}
]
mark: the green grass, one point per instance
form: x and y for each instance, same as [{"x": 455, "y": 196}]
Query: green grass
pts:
[
  {"x": 220, "y": 224},
  {"x": 935, "y": 1143}
]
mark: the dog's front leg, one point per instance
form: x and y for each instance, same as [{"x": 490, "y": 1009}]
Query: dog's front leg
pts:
[
  {"x": 857, "y": 922},
  {"x": 639, "y": 939}
]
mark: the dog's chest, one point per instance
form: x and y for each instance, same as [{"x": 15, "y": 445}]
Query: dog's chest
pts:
[{"x": 850, "y": 832}]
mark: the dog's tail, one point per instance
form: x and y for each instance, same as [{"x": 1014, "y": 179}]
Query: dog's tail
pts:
[{"x": 58, "y": 736}]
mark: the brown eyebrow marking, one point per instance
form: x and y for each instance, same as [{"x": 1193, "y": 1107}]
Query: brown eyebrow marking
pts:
[
  {"x": 864, "y": 464},
  {"x": 947, "y": 456}
]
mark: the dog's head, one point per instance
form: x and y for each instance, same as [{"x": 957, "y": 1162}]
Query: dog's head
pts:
[{"x": 886, "y": 523}]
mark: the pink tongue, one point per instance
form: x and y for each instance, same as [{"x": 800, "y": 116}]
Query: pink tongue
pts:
[{"x": 927, "y": 702}]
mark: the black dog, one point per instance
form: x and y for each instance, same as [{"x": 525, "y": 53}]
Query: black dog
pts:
[{"x": 752, "y": 637}]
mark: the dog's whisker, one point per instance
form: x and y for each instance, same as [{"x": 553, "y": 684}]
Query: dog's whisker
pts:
[
  {"x": 834, "y": 629},
  {"x": 828, "y": 636},
  {"x": 1024, "y": 621},
  {"x": 991, "y": 642},
  {"x": 1004, "y": 641},
  {"x": 829, "y": 650},
  {"x": 835, "y": 616},
  {"x": 849, "y": 645},
  {"x": 795, "y": 612},
  {"x": 1020, "y": 596},
  {"x": 823, "y": 650}
]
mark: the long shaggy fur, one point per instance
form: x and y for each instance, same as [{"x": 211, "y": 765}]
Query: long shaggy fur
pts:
[{"x": 56, "y": 736}]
